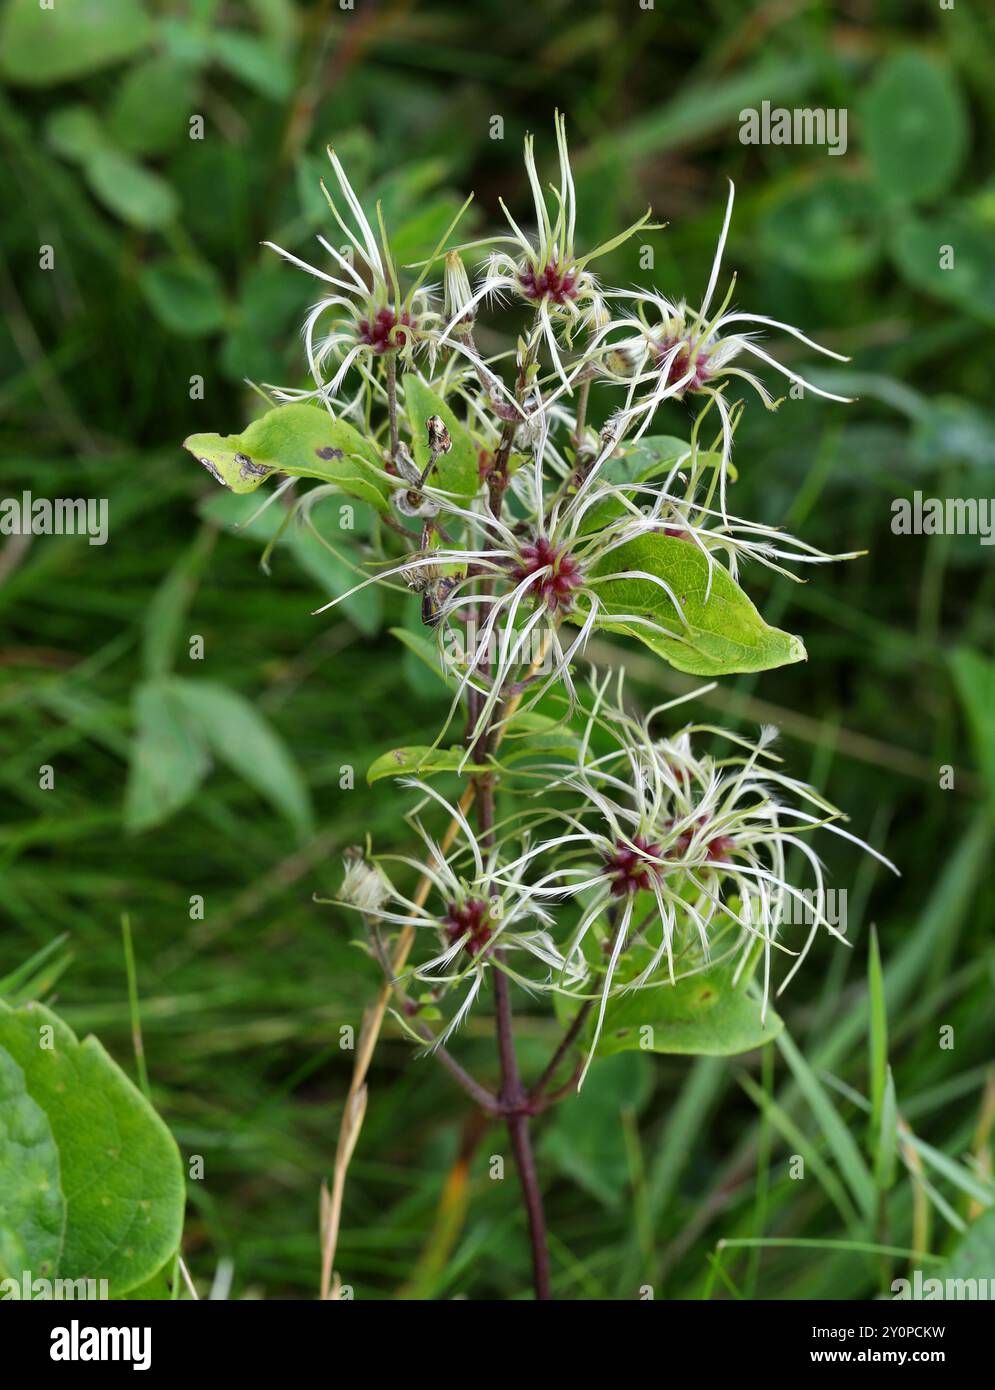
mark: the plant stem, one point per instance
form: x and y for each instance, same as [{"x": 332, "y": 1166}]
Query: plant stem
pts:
[
  {"x": 391, "y": 366},
  {"x": 513, "y": 1093},
  {"x": 581, "y": 419},
  {"x": 566, "y": 1043}
]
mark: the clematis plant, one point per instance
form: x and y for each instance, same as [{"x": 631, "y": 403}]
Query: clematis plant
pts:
[{"x": 631, "y": 873}]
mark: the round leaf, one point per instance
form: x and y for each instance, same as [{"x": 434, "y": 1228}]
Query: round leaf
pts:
[
  {"x": 826, "y": 231},
  {"x": 32, "y": 1207},
  {"x": 120, "y": 1169},
  {"x": 75, "y": 133},
  {"x": 69, "y": 39},
  {"x": 915, "y": 128},
  {"x": 136, "y": 195},
  {"x": 924, "y": 249},
  {"x": 152, "y": 105},
  {"x": 186, "y": 297}
]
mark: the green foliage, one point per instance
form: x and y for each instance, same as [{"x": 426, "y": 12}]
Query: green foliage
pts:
[
  {"x": 33, "y": 1209},
  {"x": 974, "y": 676},
  {"x": 715, "y": 631},
  {"x": 179, "y": 723},
  {"x": 915, "y": 127},
  {"x": 99, "y": 1191},
  {"x": 420, "y": 762},
  {"x": 705, "y": 1015},
  {"x": 242, "y": 1011},
  {"x": 87, "y": 35},
  {"x": 586, "y": 1141},
  {"x": 964, "y": 275},
  {"x": 827, "y": 229},
  {"x": 186, "y": 296},
  {"x": 456, "y": 472},
  {"x": 300, "y": 440},
  {"x": 974, "y": 1256}
]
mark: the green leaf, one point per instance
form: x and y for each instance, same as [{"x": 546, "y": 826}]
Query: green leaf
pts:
[
  {"x": 531, "y": 733},
  {"x": 37, "y": 974},
  {"x": 829, "y": 230},
  {"x": 793, "y": 1135},
  {"x": 703, "y": 106},
  {"x": 167, "y": 608},
  {"x": 721, "y": 635},
  {"x": 424, "y": 653},
  {"x": 239, "y": 735},
  {"x": 922, "y": 250},
  {"x": 258, "y": 64},
  {"x": 75, "y": 133},
  {"x": 295, "y": 439},
  {"x": 915, "y": 127},
  {"x": 637, "y": 463},
  {"x": 241, "y": 515},
  {"x": 456, "y": 472},
  {"x": 841, "y": 1142},
  {"x": 121, "y": 1172},
  {"x": 32, "y": 1207},
  {"x": 160, "y": 1288},
  {"x": 419, "y": 760},
  {"x": 69, "y": 39},
  {"x": 187, "y": 297},
  {"x": 136, "y": 195},
  {"x": 704, "y": 1015},
  {"x": 886, "y": 1151},
  {"x": 878, "y": 1054},
  {"x": 152, "y": 105},
  {"x": 974, "y": 677},
  {"x": 168, "y": 757},
  {"x": 334, "y": 576},
  {"x": 586, "y": 1140}
]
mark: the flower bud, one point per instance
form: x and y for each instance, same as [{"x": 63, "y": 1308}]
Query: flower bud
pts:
[
  {"x": 457, "y": 292},
  {"x": 364, "y": 886}
]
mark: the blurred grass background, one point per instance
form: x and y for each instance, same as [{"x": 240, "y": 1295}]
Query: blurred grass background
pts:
[{"x": 159, "y": 280}]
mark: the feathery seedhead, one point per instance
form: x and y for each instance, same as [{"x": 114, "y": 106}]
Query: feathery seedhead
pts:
[{"x": 364, "y": 885}]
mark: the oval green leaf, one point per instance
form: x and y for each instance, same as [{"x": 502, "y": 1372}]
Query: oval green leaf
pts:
[
  {"x": 43, "y": 44},
  {"x": 915, "y": 127},
  {"x": 720, "y": 635},
  {"x": 32, "y": 1207},
  {"x": 296, "y": 439},
  {"x": 419, "y": 760},
  {"x": 456, "y": 472},
  {"x": 121, "y": 1172},
  {"x": 704, "y": 1015},
  {"x": 951, "y": 257}
]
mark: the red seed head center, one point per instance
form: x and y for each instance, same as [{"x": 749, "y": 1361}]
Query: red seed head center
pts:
[
  {"x": 562, "y": 577},
  {"x": 631, "y": 867},
  {"x": 386, "y": 330},
  {"x": 552, "y": 281},
  {"x": 470, "y": 919},
  {"x": 680, "y": 364}
]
